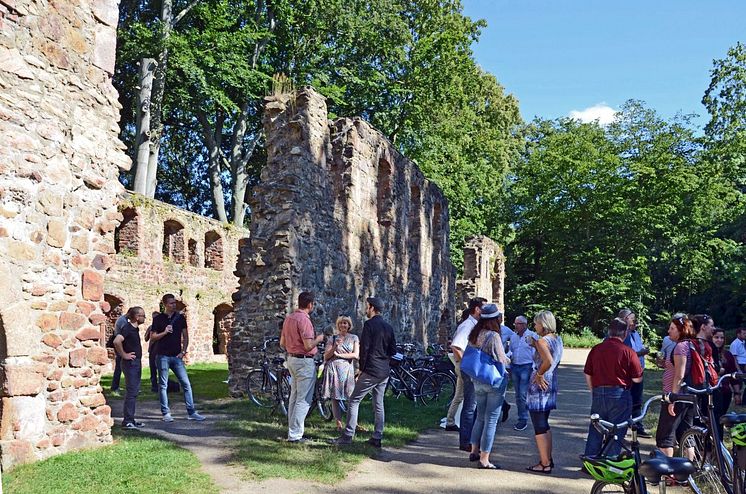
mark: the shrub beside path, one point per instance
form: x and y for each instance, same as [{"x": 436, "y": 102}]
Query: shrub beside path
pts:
[{"x": 432, "y": 463}]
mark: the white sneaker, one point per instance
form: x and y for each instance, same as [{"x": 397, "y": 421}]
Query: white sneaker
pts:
[
  {"x": 196, "y": 416},
  {"x": 168, "y": 418}
]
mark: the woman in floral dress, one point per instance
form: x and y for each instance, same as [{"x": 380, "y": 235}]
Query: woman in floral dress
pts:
[{"x": 342, "y": 350}]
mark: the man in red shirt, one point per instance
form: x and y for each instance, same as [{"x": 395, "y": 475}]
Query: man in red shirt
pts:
[
  {"x": 610, "y": 370},
  {"x": 299, "y": 340}
]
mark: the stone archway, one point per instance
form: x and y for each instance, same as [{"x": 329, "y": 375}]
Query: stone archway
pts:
[
  {"x": 222, "y": 327},
  {"x": 115, "y": 309}
]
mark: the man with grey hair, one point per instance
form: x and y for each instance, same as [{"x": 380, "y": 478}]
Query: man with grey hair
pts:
[
  {"x": 610, "y": 371},
  {"x": 521, "y": 364}
]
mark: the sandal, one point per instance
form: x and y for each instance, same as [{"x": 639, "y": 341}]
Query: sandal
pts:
[
  {"x": 540, "y": 468},
  {"x": 473, "y": 456},
  {"x": 488, "y": 466}
]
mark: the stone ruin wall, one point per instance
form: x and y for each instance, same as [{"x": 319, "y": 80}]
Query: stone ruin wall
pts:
[
  {"x": 484, "y": 272},
  {"x": 163, "y": 249},
  {"x": 59, "y": 162},
  {"x": 339, "y": 211}
]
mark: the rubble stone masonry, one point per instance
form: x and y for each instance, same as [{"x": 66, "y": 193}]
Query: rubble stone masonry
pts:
[
  {"x": 163, "y": 249},
  {"x": 339, "y": 211},
  {"x": 59, "y": 162}
]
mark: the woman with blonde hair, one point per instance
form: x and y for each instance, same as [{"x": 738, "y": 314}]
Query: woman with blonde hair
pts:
[
  {"x": 541, "y": 398},
  {"x": 342, "y": 349}
]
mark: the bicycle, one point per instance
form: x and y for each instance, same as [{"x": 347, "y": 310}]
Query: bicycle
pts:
[
  {"x": 714, "y": 465},
  {"x": 627, "y": 473},
  {"x": 736, "y": 424},
  {"x": 269, "y": 385}
]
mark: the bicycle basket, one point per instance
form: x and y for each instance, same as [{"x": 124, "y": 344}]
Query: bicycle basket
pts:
[
  {"x": 738, "y": 434},
  {"x": 613, "y": 469},
  {"x": 396, "y": 360}
]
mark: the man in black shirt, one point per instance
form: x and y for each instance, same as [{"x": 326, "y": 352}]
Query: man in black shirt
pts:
[
  {"x": 377, "y": 346},
  {"x": 128, "y": 347},
  {"x": 170, "y": 331}
]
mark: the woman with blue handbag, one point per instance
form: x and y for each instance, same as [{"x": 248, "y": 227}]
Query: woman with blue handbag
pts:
[{"x": 485, "y": 362}]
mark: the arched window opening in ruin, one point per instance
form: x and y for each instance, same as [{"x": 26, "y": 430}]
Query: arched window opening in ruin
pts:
[
  {"x": 193, "y": 253},
  {"x": 115, "y": 306},
  {"x": 126, "y": 240},
  {"x": 213, "y": 251},
  {"x": 384, "y": 192},
  {"x": 173, "y": 241},
  {"x": 222, "y": 327}
]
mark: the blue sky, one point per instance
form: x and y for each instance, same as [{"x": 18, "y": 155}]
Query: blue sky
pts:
[{"x": 571, "y": 55}]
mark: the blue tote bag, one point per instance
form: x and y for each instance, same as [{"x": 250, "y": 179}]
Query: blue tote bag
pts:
[{"x": 481, "y": 367}]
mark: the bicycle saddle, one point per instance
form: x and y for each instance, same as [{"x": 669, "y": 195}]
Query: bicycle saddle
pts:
[
  {"x": 278, "y": 360},
  {"x": 731, "y": 419},
  {"x": 660, "y": 465}
]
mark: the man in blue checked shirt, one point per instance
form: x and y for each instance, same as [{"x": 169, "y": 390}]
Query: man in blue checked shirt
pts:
[
  {"x": 634, "y": 341},
  {"x": 521, "y": 364}
]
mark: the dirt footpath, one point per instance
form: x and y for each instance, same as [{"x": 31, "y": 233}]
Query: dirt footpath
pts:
[{"x": 432, "y": 463}]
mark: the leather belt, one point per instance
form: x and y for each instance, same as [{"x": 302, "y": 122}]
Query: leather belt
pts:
[{"x": 300, "y": 355}]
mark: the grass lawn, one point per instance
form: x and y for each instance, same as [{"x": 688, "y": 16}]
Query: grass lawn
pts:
[
  {"x": 264, "y": 454},
  {"x": 259, "y": 446},
  {"x": 134, "y": 463}
]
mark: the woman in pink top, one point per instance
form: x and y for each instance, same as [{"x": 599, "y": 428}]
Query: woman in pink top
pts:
[{"x": 676, "y": 418}]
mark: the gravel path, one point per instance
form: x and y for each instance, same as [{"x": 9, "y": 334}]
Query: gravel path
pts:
[{"x": 432, "y": 463}]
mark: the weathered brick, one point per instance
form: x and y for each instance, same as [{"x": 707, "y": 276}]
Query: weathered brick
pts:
[
  {"x": 52, "y": 340},
  {"x": 98, "y": 355},
  {"x": 70, "y": 321},
  {"x": 93, "y": 285},
  {"x": 77, "y": 357},
  {"x": 67, "y": 413},
  {"x": 88, "y": 333},
  {"x": 22, "y": 380}
]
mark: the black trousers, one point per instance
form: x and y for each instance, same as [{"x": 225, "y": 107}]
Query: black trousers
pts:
[
  {"x": 132, "y": 373},
  {"x": 153, "y": 372}
]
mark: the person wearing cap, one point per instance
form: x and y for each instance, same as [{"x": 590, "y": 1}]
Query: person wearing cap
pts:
[
  {"x": 486, "y": 337},
  {"x": 377, "y": 346},
  {"x": 464, "y": 387},
  {"x": 611, "y": 369},
  {"x": 299, "y": 340}
]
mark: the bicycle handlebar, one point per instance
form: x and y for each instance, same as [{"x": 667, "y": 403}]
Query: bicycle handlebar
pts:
[
  {"x": 603, "y": 426},
  {"x": 709, "y": 389},
  {"x": 679, "y": 397}
]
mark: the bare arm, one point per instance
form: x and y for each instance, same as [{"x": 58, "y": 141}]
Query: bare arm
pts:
[
  {"x": 679, "y": 363},
  {"x": 329, "y": 350},
  {"x": 637, "y": 379},
  {"x": 457, "y": 352},
  {"x": 184, "y": 341},
  {"x": 120, "y": 349},
  {"x": 354, "y": 354},
  {"x": 310, "y": 343},
  {"x": 588, "y": 381}
]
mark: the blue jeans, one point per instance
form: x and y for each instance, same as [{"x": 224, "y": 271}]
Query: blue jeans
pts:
[
  {"x": 117, "y": 377},
  {"x": 489, "y": 408},
  {"x": 468, "y": 410},
  {"x": 521, "y": 375},
  {"x": 132, "y": 374},
  {"x": 613, "y": 404},
  {"x": 177, "y": 365}
]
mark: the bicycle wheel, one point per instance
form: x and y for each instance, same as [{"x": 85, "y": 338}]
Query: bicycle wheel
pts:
[
  {"x": 600, "y": 487},
  {"x": 283, "y": 394},
  {"x": 437, "y": 389},
  {"x": 696, "y": 445},
  {"x": 324, "y": 405},
  {"x": 260, "y": 388}
]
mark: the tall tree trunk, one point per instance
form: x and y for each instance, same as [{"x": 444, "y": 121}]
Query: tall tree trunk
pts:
[
  {"x": 212, "y": 138},
  {"x": 147, "y": 67}
]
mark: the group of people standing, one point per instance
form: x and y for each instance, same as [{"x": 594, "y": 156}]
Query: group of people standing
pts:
[
  {"x": 169, "y": 343},
  {"x": 531, "y": 358},
  {"x": 614, "y": 373},
  {"x": 373, "y": 350}
]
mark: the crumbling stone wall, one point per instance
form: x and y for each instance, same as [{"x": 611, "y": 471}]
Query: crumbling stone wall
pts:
[
  {"x": 151, "y": 259},
  {"x": 484, "y": 272},
  {"x": 339, "y": 211},
  {"x": 59, "y": 161}
]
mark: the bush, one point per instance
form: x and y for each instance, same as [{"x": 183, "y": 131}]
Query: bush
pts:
[{"x": 584, "y": 339}]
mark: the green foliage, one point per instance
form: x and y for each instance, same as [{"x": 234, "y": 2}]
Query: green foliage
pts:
[
  {"x": 134, "y": 463},
  {"x": 584, "y": 339},
  {"x": 626, "y": 215},
  {"x": 404, "y": 65}
]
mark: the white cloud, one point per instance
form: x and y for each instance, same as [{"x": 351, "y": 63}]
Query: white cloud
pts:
[{"x": 600, "y": 112}]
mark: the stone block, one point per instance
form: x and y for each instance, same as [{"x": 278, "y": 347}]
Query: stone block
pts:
[
  {"x": 93, "y": 285},
  {"x": 106, "y": 12},
  {"x": 21, "y": 336},
  {"x": 98, "y": 355},
  {"x": 87, "y": 423},
  {"x": 52, "y": 340},
  {"x": 67, "y": 413},
  {"x": 12, "y": 61},
  {"x": 104, "y": 52},
  {"x": 97, "y": 319},
  {"x": 89, "y": 333},
  {"x": 23, "y": 417},
  {"x": 70, "y": 321},
  {"x": 80, "y": 243},
  {"x": 56, "y": 233},
  {"x": 22, "y": 379},
  {"x": 77, "y": 357},
  {"x": 16, "y": 452},
  {"x": 50, "y": 202},
  {"x": 86, "y": 307},
  {"x": 93, "y": 401},
  {"x": 20, "y": 251}
]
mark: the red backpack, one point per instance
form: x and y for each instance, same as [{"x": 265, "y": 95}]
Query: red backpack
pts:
[{"x": 700, "y": 370}]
